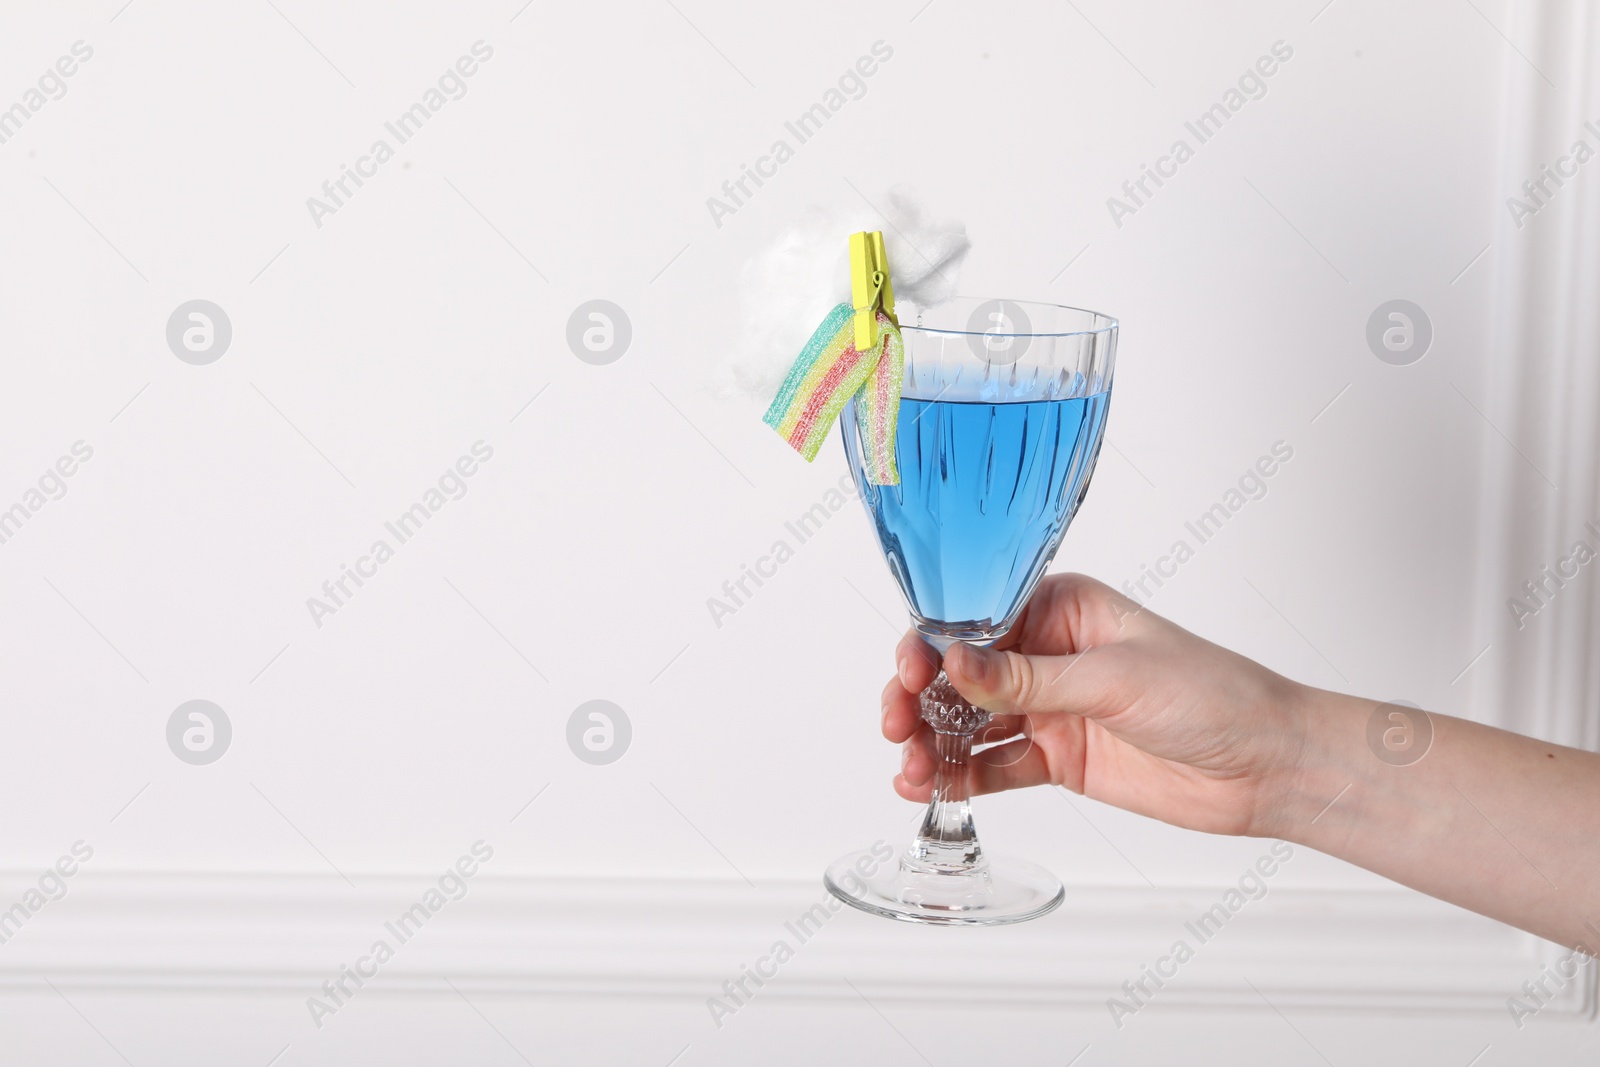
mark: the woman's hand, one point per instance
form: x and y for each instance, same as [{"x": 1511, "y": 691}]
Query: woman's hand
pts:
[
  {"x": 1114, "y": 702},
  {"x": 1091, "y": 692}
]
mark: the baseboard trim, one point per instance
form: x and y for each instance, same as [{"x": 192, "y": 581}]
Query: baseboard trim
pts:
[{"x": 1389, "y": 950}]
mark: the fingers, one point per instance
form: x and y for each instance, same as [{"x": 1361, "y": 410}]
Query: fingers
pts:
[
  {"x": 1001, "y": 728},
  {"x": 920, "y": 757},
  {"x": 1014, "y": 765},
  {"x": 901, "y": 714},
  {"x": 1011, "y": 683},
  {"x": 1063, "y": 654},
  {"x": 916, "y": 662},
  {"x": 902, "y": 718}
]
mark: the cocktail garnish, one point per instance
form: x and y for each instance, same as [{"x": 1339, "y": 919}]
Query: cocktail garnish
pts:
[{"x": 856, "y": 351}]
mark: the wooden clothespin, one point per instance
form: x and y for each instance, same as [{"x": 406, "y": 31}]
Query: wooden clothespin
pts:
[{"x": 870, "y": 288}]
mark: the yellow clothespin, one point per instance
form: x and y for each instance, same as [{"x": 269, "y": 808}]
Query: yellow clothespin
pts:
[
  {"x": 870, "y": 289},
  {"x": 887, "y": 301}
]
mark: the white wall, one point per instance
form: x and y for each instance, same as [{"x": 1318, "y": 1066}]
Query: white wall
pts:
[{"x": 371, "y": 351}]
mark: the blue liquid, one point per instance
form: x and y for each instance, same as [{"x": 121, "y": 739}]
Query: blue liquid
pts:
[{"x": 986, "y": 493}]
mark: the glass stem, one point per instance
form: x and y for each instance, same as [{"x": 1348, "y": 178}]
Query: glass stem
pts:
[{"x": 947, "y": 838}]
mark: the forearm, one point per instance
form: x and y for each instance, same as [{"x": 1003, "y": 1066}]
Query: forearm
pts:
[{"x": 1502, "y": 824}]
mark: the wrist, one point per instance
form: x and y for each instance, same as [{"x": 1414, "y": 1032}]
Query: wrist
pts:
[{"x": 1319, "y": 765}]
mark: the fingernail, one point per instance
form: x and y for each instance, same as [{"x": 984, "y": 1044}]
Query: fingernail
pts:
[
  {"x": 905, "y": 757},
  {"x": 901, "y": 667},
  {"x": 979, "y": 665}
]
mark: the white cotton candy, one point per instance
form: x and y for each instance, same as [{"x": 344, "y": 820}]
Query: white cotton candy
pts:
[{"x": 787, "y": 290}]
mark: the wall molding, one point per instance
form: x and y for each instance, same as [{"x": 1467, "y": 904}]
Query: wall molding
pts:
[
  {"x": 1542, "y": 389},
  {"x": 1368, "y": 950}
]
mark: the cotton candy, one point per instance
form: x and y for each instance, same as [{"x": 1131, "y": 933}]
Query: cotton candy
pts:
[{"x": 785, "y": 290}]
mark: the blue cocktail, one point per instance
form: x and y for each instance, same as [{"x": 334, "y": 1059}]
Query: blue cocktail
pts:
[
  {"x": 1001, "y": 418},
  {"x": 986, "y": 492}
]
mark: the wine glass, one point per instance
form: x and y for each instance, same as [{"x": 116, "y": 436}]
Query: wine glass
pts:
[{"x": 1001, "y": 417}]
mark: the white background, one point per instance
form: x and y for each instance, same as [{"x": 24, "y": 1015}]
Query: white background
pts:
[{"x": 372, "y": 351}]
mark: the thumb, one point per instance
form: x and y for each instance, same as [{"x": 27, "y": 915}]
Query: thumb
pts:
[{"x": 1010, "y": 683}]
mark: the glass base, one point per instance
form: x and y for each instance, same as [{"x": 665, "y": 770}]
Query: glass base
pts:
[{"x": 992, "y": 893}]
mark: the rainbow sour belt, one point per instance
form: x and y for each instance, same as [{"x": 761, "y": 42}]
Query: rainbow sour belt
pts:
[{"x": 830, "y": 371}]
